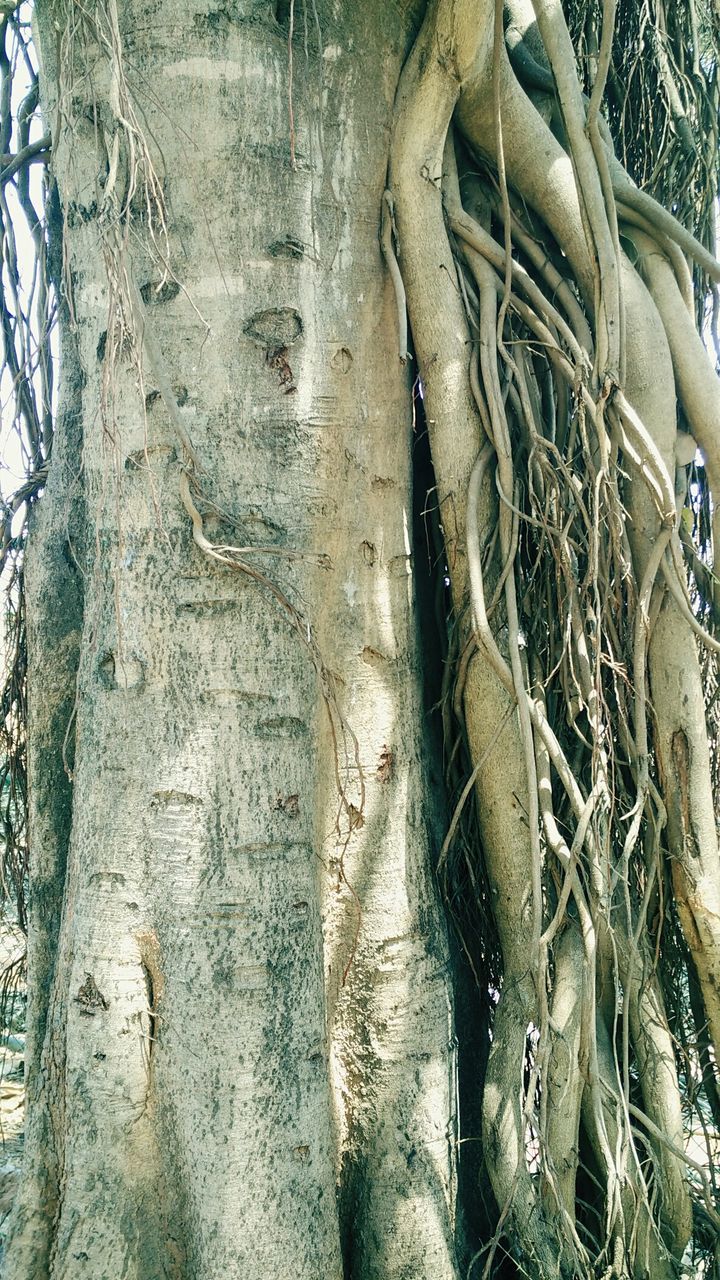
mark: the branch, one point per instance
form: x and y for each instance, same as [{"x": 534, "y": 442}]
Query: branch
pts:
[{"x": 39, "y": 150}]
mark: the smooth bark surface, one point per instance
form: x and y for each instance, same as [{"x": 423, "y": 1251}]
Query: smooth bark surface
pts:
[{"x": 197, "y": 1037}]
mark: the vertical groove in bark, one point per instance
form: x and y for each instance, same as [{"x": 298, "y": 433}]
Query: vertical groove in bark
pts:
[{"x": 389, "y": 998}]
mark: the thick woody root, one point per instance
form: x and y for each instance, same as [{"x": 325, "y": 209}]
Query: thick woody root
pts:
[
  {"x": 553, "y": 443},
  {"x": 426, "y": 99}
]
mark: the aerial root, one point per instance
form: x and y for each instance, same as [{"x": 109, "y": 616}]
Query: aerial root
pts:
[{"x": 552, "y": 449}]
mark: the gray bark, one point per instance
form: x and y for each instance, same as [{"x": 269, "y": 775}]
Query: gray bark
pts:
[
  {"x": 249, "y": 1009},
  {"x": 243, "y": 1056}
]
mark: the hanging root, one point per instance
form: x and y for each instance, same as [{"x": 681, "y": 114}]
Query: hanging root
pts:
[{"x": 547, "y": 374}]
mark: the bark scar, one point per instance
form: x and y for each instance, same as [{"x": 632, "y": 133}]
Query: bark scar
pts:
[
  {"x": 680, "y": 749},
  {"x": 151, "y": 963},
  {"x": 90, "y": 997}
]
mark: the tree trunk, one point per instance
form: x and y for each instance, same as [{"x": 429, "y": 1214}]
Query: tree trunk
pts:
[
  {"x": 207, "y": 1077},
  {"x": 251, "y": 1031}
]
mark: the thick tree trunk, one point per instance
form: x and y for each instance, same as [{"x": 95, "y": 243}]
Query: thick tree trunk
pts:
[
  {"x": 198, "y": 1018},
  {"x": 242, "y": 1050}
]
